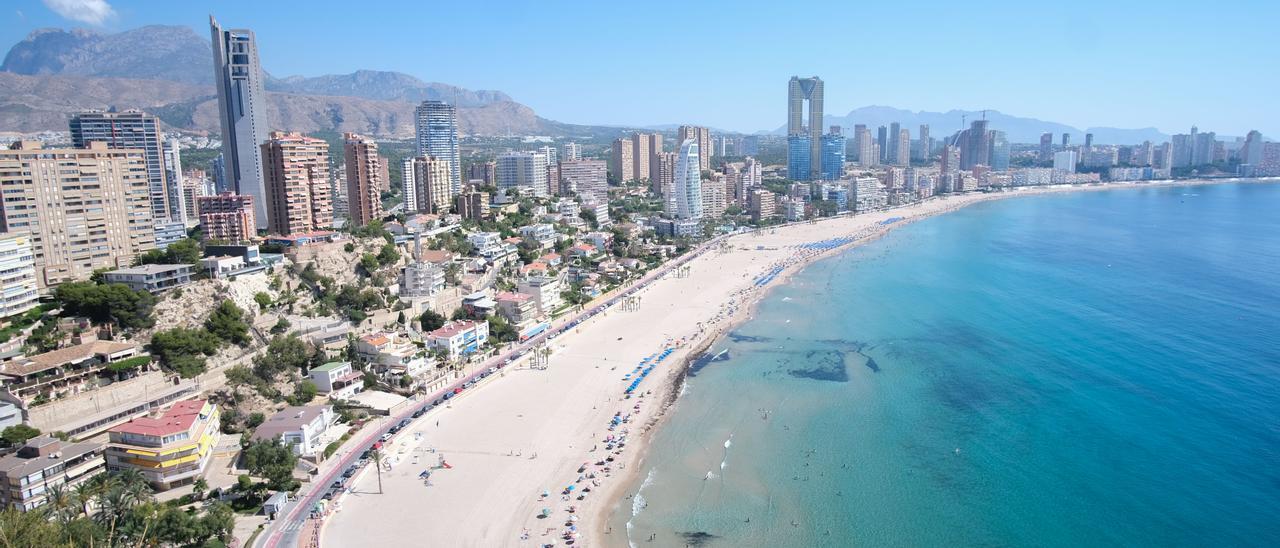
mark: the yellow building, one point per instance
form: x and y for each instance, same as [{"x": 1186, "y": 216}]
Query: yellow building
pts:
[{"x": 171, "y": 450}]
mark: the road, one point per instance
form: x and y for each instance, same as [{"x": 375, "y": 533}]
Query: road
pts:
[{"x": 284, "y": 532}]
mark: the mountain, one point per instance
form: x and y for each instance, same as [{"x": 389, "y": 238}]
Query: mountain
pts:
[
  {"x": 156, "y": 52},
  {"x": 168, "y": 71},
  {"x": 1017, "y": 128},
  {"x": 385, "y": 86}
]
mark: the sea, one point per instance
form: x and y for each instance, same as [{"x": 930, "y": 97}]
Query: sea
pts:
[{"x": 1077, "y": 369}]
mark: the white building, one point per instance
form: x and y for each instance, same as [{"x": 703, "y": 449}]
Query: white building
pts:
[
  {"x": 526, "y": 171},
  {"x": 601, "y": 211},
  {"x": 1065, "y": 161},
  {"x": 486, "y": 243},
  {"x": 18, "y": 286},
  {"x": 545, "y": 291},
  {"x": 544, "y": 234},
  {"x": 337, "y": 380},
  {"x": 421, "y": 279},
  {"x": 301, "y": 428},
  {"x": 587, "y": 179},
  {"x": 570, "y": 151},
  {"x": 152, "y": 278},
  {"x": 686, "y": 199},
  {"x": 459, "y": 338}
]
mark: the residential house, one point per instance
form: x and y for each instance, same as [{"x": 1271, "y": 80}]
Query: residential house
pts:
[
  {"x": 65, "y": 371},
  {"x": 45, "y": 462},
  {"x": 152, "y": 278},
  {"x": 518, "y": 308},
  {"x": 171, "y": 450},
  {"x": 338, "y": 380},
  {"x": 302, "y": 428},
  {"x": 459, "y": 338}
]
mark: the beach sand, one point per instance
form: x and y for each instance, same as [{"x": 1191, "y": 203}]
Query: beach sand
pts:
[{"x": 527, "y": 431}]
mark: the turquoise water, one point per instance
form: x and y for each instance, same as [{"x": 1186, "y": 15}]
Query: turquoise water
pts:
[{"x": 1088, "y": 369}]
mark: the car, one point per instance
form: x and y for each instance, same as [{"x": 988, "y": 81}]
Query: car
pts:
[
  {"x": 448, "y": 395},
  {"x": 419, "y": 412},
  {"x": 386, "y": 436},
  {"x": 336, "y": 486},
  {"x": 350, "y": 472},
  {"x": 437, "y": 402},
  {"x": 404, "y": 423},
  {"x": 328, "y": 496},
  {"x": 365, "y": 455},
  {"x": 394, "y": 429}
]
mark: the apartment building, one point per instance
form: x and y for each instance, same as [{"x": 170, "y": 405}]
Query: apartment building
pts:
[
  {"x": 19, "y": 291},
  {"x": 296, "y": 168},
  {"x": 171, "y": 450},
  {"x": 45, "y": 462}
]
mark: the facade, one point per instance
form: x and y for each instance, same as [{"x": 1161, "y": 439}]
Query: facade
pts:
[
  {"x": 134, "y": 130},
  {"x": 867, "y": 194},
  {"x": 181, "y": 211},
  {"x": 297, "y": 175},
  {"x": 762, "y": 204},
  {"x": 472, "y": 204},
  {"x": 62, "y": 372},
  {"x": 436, "y": 124},
  {"x": 242, "y": 114},
  {"x": 169, "y": 232},
  {"x": 644, "y": 147},
  {"x": 518, "y": 308},
  {"x": 227, "y": 216},
  {"x": 337, "y": 380},
  {"x": 526, "y": 171},
  {"x": 427, "y": 179},
  {"x": 481, "y": 171},
  {"x": 1000, "y": 151},
  {"x": 421, "y": 279},
  {"x": 799, "y": 167},
  {"x": 714, "y": 198},
  {"x": 833, "y": 145},
  {"x": 301, "y": 428},
  {"x": 663, "y": 171},
  {"x": 570, "y": 151},
  {"x": 152, "y": 278},
  {"x": 545, "y": 291},
  {"x": 459, "y": 338},
  {"x": 622, "y": 160},
  {"x": 701, "y": 136},
  {"x": 685, "y": 201},
  {"x": 171, "y": 450},
  {"x": 45, "y": 462},
  {"x": 1065, "y": 161},
  {"x": 365, "y": 179},
  {"x": 75, "y": 228},
  {"x": 19, "y": 291},
  {"x": 902, "y": 148},
  {"x": 587, "y": 179},
  {"x": 800, "y": 90}
]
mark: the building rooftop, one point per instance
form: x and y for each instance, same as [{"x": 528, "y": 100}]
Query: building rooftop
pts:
[
  {"x": 452, "y": 328},
  {"x": 289, "y": 419},
  {"x": 330, "y": 367},
  {"x": 63, "y": 356},
  {"x": 148, "y": 269},
  {"x": 40, "y": 453},
  {"x": 513, "y": 297},
  {"x": 178, "y": 418}
]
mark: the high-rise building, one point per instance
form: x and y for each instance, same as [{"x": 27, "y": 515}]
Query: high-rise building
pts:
[
  {"x": 714, "y": 197},
  {"x": 1183, "y": 150},
  {"x": 1164, "y": 156},
  {"x": 132, "y": 129},
  {"x": 975, "y": 145},
  {"x": 643, "y": 148},
  {"x": 1251, "y": 152},
  {"x": 227, "y": 216},
  {"x": 75, "y": 227},
  {"x": 1046, "y": 148},
  {"x": 701, "y": 136},
  {"x": 1065, "y": 161},
  {"x": 902, "y": 147},
  {"x": 194, "y": 185},
  {"x": 436, "y": 126},
  {"x": 950, "y": 159},
  {"x": 218, "y": 169},
  {"x": 242, "y": 113},
  {"x": 925, "y": 148},
  {"x": 858, "y": 130},
  {"x": 686, "y": 202},
  {"x": 1205, "y": 148},
  {"x": 752, "y": 173},
  {"x": 833, "y": 145},
  {"x": 570, "y": 151},
  {"x": 1088, "y": 141},
  {"x": 19, "y": 290},
  {"x": 882, "y": 141},
  {"x": 622, "y": 160},
  {"x": 867, "y": 154},
  {"x": 1000, "y": 151},
  {"x": 663, "y": 170},
  {"x": 1066, "y": 140},
  {"x": 891, "y": 156},
  {"x": 297, "y": 174},
  {"x": 364, "y": 179},
  {"x": 472, "y": 204},
  {"x": 799, "y": 158},
  {"x": 587, "y": 179},
  {"x": 800, "y": 90},
  {"x": 526, "y": 171},
  {"x": 428, "y": 180},
  {"x": 180, "y": 210},
  {"x": 483, "y": 172}
]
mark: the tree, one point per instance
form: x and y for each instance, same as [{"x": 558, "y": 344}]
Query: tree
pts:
[
  {"x": 281, "y": 326},
  {"x": 114, "y": 303},
  {"x": 303, "y": 393},
  {"x": 369, "y": 263},
  {"x": 263, "y": 300},
  {"x": 284, "y": 353},
  {"x": 273, "y": 461},
  {"x": 184, "y": 251},
  {"x": 431, "y": 321},
  {"x": 388, "y": 254},
  {"x": 256, "y": 419},
  {"x": 227, "y": 322},
  {"x": 502, "y": 331},
  {"x": 183, "y": 350},
  {"x": 17, "y": 435}
]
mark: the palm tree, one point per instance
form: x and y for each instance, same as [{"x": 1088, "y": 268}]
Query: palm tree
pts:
[
  {"x": 84, "y": 493},
  {"x": 60, "y": 503}
]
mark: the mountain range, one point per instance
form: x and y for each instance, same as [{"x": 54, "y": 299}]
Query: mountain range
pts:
[{"x": 1017, "y": 129}]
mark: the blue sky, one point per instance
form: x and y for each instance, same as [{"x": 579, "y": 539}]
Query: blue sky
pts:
[{"x": 1167, "y": 64}]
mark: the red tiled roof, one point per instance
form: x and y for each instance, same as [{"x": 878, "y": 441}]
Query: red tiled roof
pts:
[
  {"x": 509, "y": 296},
  {"x": 178, "y": 418}
]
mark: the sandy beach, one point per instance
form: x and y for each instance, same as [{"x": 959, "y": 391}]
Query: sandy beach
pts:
[{"x": 529, "y": 432}]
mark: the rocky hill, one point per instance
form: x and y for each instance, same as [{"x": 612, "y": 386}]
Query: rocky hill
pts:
[{"x": 173, "y": 53}]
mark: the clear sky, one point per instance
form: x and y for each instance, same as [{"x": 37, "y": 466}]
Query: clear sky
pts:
[{"x": 1137, "y": 63}]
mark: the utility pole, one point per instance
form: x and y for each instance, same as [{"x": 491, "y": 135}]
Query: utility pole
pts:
[{"x": 377, "y": 464}]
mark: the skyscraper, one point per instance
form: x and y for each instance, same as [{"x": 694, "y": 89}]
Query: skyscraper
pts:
[
  {"x": 643, "y": 148},
  {"x": 297, "y": 174},
  {"x": 133, "y": 129},
  {"x": 1046, "y": 148},
  {"x": 926, "y": 143},
  {"x": 76, "y": 227},
  {"x": 526, "y": 171},
  {"x": 587, "y": 179},
  {"x": 902, "y": 147},
  {"x": 1066, "y": 141},
  {"x": 1000, "y": 151},
  {"x": 364, "y": 179},
  {"x": 1088, "y": 141},
  {"x": 882, "y": 141},
  {"x": 800, "y": 90},
  {"x": 686, "y": 202},
  {"x": 622, "y": 160},
  {"x": 867, "y": 154},
  {"x": 833, "y": 145},
  {"x": 1251, "y": 152},
  {"x": 241, "y": 113},
  {"x": 858, "y": 130},
  {"x": 429, "y": 184},
  {"x": 799, "y": 165},
  {"x": 171, "y": 150},
  {"x": 436, "y": 125},
  {"x": 570, "y": 151},
  {"x": 975, "y": 145},
  {"x": 662, "y": 171},
  {"x": 892, "y": 154},
  {"x": 702, "y": 136}
]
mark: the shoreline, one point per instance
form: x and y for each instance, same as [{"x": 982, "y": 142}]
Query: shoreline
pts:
[
  {"x": 494, "y": 437},
  {"x": 631, "y": 484}
]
